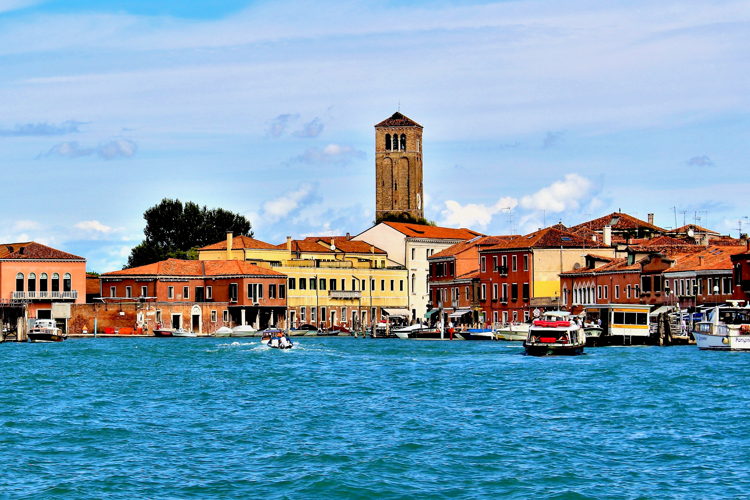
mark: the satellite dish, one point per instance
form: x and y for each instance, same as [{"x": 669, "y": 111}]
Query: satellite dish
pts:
[{"x": 691, "y": 233}]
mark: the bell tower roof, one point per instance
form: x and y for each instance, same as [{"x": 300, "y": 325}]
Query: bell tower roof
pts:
[{"x": 398, "y": 120}]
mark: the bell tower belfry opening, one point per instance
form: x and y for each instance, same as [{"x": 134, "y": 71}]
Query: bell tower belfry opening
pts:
[{"x": 399, "y": 194}]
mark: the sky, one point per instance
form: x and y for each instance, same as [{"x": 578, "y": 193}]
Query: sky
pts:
[{"x": 534, "y": 112}]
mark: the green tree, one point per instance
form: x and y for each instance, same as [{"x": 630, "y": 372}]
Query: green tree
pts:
[
  {"x": 403, "y": 217},
  {"x": 175, "y": 230}
]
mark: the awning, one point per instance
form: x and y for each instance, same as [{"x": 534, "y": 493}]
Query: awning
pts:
[
  {"x": 404, "y": 313},
  {"x": 660, "y": 310},
  {"x": 429, "y": 313},
  {"x": 459, "y": 313}
]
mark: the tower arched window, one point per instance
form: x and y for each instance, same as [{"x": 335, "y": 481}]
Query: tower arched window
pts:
[
  {"x": 19, "y": 282},
  {"x": 387, "y": 142},
  {"x": 43, "y": 282},
  {"x": 403, "y": 142},
  {"x": 55, "y": 282},
  {"x": 67, "y": 285},
  {"x": 32, "y": 282}
]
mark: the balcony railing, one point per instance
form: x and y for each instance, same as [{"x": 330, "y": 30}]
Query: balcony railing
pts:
[
  {"x": 345, "y": 294},
  {"x": 71, "y": 295}
]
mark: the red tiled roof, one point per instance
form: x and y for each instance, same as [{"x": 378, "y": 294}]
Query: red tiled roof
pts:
[
  {"x": 712, "y": 258},
  {"x": 433, "y": 232},
  {"x": 480, "y": 241},
  {"x": 178, "y": 267},
  {"x": 239, "y": 243},
  {"x": 468, "y": 275},
  {"x": 696, "y": 228},
  {"x": 619, "y": 221},
  {"x": 615, "y": 265},
  {"x": 318, "y": 244},
  {"x": 34, "y": 250},
  {"x": 398, "y": 120},
  {"x": 549, "y": 237}
]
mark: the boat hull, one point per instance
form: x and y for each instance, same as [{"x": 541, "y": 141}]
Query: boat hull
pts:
[
  {"x": 420, "y": 334},
  {"x": 708, "y": 342},
  {"x": 552, "y": 349},
  {"x": 45, "y": 337},
  {"x": 475, "y": 334},
  {"x": 163, "y": 333}
]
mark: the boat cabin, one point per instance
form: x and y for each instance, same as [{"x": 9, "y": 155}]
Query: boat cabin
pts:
[{"x": 622, "y": 324}]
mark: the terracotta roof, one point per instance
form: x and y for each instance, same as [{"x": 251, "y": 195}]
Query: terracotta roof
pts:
[
  {"x": 619, "y": 221},
  {"x": 480, "y": 241},
  {"x": 696, "y": 228},
  {"x": 318, "y": 244},
  {"x": 725, "y": 241},
  {"x": 34, "y": 250},
  {"x": 178, "y": 267},
  {"x": 615, "y": 265},
  {"x": 469, "y": 275},
  {"x": 712, "y": 258},
  {"x": 239, "y": 243},
  {"x": 398, "y": 120},
  {"x": 433, "y": 232},
  {"x": 549, "y": 237}
]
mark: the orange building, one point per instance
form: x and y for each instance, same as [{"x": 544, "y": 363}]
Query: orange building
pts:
[{"x": 40, "y": 281}]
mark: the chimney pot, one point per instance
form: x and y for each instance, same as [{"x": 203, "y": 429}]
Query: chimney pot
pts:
[{"x": 651, "y": 219}]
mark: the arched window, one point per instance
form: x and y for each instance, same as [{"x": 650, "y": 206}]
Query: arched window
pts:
[
  {"x": 387, "y": 142},
  {"x": 43, "y": 282},
  {"x": 413, "y": 282},
  {"x": 67, "y": 286},
  {"x": 19, "y": 282},
  {"x": 55, "y": 282},
  {"x": 32, "y": 282},
  {"x": 403, "y": 142}
]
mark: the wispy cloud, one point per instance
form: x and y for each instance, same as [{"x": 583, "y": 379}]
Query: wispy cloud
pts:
[
  {"x": 311, "y": 129},
  {"x": 278, "y": 126},
  {"x": 42, "y": 129},
  {"x": 700, "y": 161},
  {"x": 552, "y": 139},
  {"x": 94, "y": 226},
  {"x": 331, "y": 154},
  {"x": 108, "y": 150}
]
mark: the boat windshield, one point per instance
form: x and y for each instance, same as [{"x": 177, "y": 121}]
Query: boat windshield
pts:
[{"x": 734, "y": 316}]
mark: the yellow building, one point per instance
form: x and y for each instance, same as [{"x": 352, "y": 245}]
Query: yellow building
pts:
[{"x": 331, "y": 281}]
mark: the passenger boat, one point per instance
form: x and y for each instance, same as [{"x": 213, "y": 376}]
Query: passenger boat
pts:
[
  {"x": 726, "y": 329},
  {"x": 512, "y": 332},
  {"x": 46, "y": 330},
  {"x": 181, "y": 332},
  {"x": 555, "y": 334},
  {"x": 418, "y": 332}
]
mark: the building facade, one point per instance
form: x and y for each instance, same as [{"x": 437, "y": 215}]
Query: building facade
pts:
[
  {"x": 399, "y": 186},
  {"x": 602, "y": 280}
]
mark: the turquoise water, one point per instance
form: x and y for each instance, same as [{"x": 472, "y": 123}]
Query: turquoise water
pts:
[{"x": 358, "y": 418}]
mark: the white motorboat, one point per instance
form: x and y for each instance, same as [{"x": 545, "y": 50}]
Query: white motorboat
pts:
[
  {"x": 45, "y": 330},
  {"x": 726, "y": 329},
  {"x": 555, "y": 334},
  {"x": 418, "y": 331},
  {"x": 280, "y": 341},
  {"x": 181, "y": 332},
  {"x": 512, "y": 331},
  {"x": 244, "y": 331},
  {"x": 223, "y": 332}
]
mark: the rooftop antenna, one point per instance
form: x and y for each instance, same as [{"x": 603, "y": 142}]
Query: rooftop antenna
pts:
[{"x": 399, "y": 105}]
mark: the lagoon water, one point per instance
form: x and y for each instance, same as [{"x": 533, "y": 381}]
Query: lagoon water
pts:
[{"x": 362, "y": 418}]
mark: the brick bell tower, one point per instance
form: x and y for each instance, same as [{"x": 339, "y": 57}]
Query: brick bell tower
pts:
[{"x": 398, "y": 168}]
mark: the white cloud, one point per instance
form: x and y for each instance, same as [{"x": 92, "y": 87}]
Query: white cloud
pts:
[
  {"x": 474, "y": 214},
  {"x": 560, "y": 196},
  {"x": 285, "y": 204},
  {"x": 331, "y": 154},
  {"x": 108, "y": 150},
  {"x": 94, "y": 226},
  {"x": 26, "y": 225}
]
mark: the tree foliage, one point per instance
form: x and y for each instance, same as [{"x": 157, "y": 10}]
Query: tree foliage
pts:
[
  {"x": 403, "y": 217},
  {"x": 175, "y": 230}
]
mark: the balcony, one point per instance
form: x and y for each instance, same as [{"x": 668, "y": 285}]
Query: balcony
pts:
[
  {"x": 71, "y": 295},
  {"x": 345, "y": 294}
]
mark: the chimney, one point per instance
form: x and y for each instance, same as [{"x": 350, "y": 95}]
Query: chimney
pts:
[
  {"x": 289, "y": 244},
  {"x": 700, "y": 261},
  {"x": 333, "y": 245},
  {"x": 608, "y": 235},
  {"x": 651, "y": 219},
  {"x": 230, "y": 236},
  {"x": 348, "y": 236}
]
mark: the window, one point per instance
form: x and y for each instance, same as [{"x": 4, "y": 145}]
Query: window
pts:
[
  {"x": 387, "y": 142},
  {"x": 292, "y": 283},
  {"x": 494, "y": 316},
  {"x": 343, "y": 314},
  {"x": 343, "y": 284},
  {"x": 657, "y": 283},
  {"x": 332, "y": 284},
  {"x": 170, "y": 292},
  {"x": 526, "y": 262},
  {"x": 233, "y": 292},
  {"x": 302, "y": 286},
  {"x": 505, "y": 293},
  {"x": 484, "y": 292},
  {"x": 67, "y": 285},
  {"x": 504, "y": 262},
  {"x": 617, "y": 292},
  {"x": 313, "y": 283},
  {"x": 158, "y": 316},
  {"x": 272, "y": 291},
  {"x": 413, "y": 253},
  {"x": 599, "y": 292},
  {"x": 282, "y": 292},
  {"x": 55, "y": 282},
  {"x": 494, "y": 262},
  {"x": 214, "y": 317},
  {"x": 313, "y": 315},
  {"x": 646, "y": 283},
  {"x": 128, "y": 292},
  {"x": 112, "y": 291},
  {"x": 627, "y": 291},
  {"x": 393, "y": 285},
  {"x": 43, "y": 282},
  {"x": 382, "y": 285},
  {"x": 322, "y": 283},
  {"x": 525, "y": 292},
  {"x": 515, "y": 316},
  {"x": 483, "y": 264},
  {"x": 514, "y": 292},
  {"x": 185, "y": 292},
  {"x": 403, "y": 142},
  {"x": 302, "y": 314},
  {"x": 606, "y": 291},
  {"x": 144, "y": 291},
  {"x": 362, "y": 285},
  {"x": 467, "y": 292},
  {"x": 32, "y": 282},
  {"x": 514, "y": 262},
  {"x": 225, "y": 316},
  {"x": 209, "y": 292},
  {"x": 400, "y": 285},
  {"x": 413, "y": 283},
  {"x": 494, "y": 291}
]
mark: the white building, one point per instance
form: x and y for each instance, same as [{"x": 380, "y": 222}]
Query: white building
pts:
[{"x": 410, "y": 245}]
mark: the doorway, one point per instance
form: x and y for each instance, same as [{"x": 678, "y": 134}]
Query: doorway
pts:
[{"x": 176, "y": 321}]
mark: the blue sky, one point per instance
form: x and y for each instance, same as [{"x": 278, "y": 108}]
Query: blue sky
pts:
[{"x": 534, "y": 112}]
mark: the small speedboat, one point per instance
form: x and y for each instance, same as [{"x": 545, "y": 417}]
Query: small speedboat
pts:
[
  {"x": 280, "y": 342},
  {"x": 45, "y": 330},
  {"x": 555, "y": 334},
  {"x": 419, "y": 331},
  {"x": 181, "y": 332}
]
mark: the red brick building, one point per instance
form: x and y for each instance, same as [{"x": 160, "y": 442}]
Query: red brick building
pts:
[
  {"x": 603, "y": 280},
  {"x": 233, "y": 292},
  {"x": 741, "y": 274}
]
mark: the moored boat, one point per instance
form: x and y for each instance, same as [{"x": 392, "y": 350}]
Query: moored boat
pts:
[
  {"x": 244, "y": 331},
  {"x": 45, "y": 330},
  {"x": 727, "y": 328},
  {"x": 181, "y": 332},
  {"x": 223, "y": 332},
  {"x": 476, "y": 334},
  {"x": 512, "y": 331},
  {"x": 418, "y": 331},
  {"x": 555, "y": 334}
]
